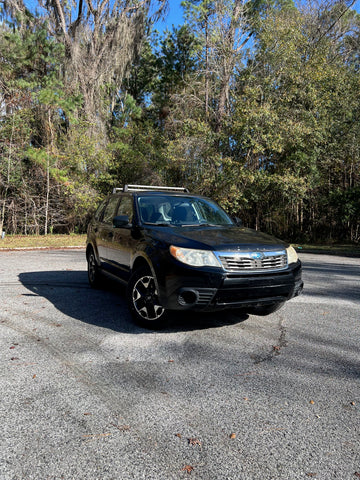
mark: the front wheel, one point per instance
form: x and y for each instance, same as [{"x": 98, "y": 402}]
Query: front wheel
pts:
[{"x": 143, "y": 300}]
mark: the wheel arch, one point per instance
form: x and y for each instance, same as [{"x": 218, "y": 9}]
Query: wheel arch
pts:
[{"x": 141, "y": 261}]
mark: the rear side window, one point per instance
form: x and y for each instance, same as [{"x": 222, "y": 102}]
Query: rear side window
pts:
[
  {"x": 110, "y": 209},
  {"x": 126, "y": 207}
]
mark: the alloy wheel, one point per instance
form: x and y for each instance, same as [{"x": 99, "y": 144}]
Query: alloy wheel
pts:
[{"x": 145, "y": 299}]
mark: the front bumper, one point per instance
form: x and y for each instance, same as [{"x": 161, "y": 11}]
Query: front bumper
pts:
[{"x": 188, "y": 288}]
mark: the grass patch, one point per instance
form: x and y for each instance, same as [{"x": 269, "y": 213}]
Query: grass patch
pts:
[{"x": 45, "y": 241}]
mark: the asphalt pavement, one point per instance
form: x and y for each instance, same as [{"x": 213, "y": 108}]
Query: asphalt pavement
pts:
[{"x": 85, "y": 394}]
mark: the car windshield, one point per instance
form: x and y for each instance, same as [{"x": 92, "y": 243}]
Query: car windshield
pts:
[{"x": 181, "y": 211}]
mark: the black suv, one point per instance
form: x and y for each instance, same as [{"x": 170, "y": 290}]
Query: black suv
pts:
[{"x": 178, "y": 251}]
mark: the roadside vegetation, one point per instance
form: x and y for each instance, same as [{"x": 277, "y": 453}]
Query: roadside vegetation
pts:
[
  {"x": 253, "y": 103},
  {"x": 334, "y": 249},
  {"x": 42, "y": 241}
]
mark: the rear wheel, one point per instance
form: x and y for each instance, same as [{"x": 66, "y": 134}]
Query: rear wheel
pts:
[
  {"x": 93, "y": 270},
  {"x": 143, "y": 300}
]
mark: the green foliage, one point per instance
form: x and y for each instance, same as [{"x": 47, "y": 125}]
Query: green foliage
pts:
[{"x": 253, "y": 103}]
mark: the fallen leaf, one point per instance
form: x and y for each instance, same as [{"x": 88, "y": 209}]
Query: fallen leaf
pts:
[
  {"x": 194, "y": 441},
  {"x": 14, "y": 358},
  {"x": 178, "y": 435},
  {"x": 12, "y": 348},
  {"x": 232, "y": 436},
  {"x": 188, "y": 469},
  {"x": 122, "y": 428},
  {"x": 34, "y": 376},
  {"x": 246, "y": 399},
  {"x": 357, "y": 474},
  {"x": 87, "y": 413},
  {"x": 311, "y": 474},
  {"x": 352, "y": 403},
  {"x": 276, "y": 348},
  {"x": 312, "y": 402},
  {"x": 171, "y": 361}
]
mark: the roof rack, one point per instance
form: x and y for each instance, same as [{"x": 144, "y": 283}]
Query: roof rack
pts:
[{"x": 132, "y": 188}]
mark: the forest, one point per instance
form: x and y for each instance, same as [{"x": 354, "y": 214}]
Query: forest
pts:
[{"x": 255, "y": 103}]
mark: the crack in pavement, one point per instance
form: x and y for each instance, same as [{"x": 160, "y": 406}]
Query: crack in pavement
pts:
[{"x": 276, "y": 349}]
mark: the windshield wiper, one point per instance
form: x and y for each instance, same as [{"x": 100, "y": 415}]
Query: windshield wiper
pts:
[
  {"x": 194, "y": 225},
  {"x": 164, "y": 224},
  {"x": 209, "y": 224}
]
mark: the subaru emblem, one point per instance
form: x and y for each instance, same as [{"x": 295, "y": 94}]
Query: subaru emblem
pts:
[{"x": 257, "y": 256}]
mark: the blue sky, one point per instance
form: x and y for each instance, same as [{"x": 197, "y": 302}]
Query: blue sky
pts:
[{"x": 173, "y": 17}]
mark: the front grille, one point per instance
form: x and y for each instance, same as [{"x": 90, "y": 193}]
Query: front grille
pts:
[{"x": 248, "y": 261}]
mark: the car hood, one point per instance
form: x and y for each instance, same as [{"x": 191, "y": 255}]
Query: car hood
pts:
[{"x": 217, "y": 238}]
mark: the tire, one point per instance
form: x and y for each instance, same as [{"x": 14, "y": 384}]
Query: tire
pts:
[
  {"x": 94, "y": 274},
  {"x": 263, "y": 311},
  {"x": 143, "y": 300}
]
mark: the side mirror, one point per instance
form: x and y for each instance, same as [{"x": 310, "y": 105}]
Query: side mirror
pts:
[{"x": 120, "y": 221}]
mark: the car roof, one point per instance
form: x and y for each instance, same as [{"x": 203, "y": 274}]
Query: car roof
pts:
[
  {"x": 164, "y": 193},
  {"x": 140, "y": 190},
  {"x": 156, "y": 194}
]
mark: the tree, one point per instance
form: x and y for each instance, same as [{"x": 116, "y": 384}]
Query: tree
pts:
[
  {"x": 101, "y": 40},
  {"x": 296, "y": 107}
]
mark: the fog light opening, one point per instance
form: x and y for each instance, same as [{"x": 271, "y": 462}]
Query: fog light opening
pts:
[{"x": 188, "y": 297}]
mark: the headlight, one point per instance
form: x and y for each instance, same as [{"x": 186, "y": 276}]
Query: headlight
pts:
[
  {"x": 196, "y": 258},
  {"x": 291, "y": 255}
]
